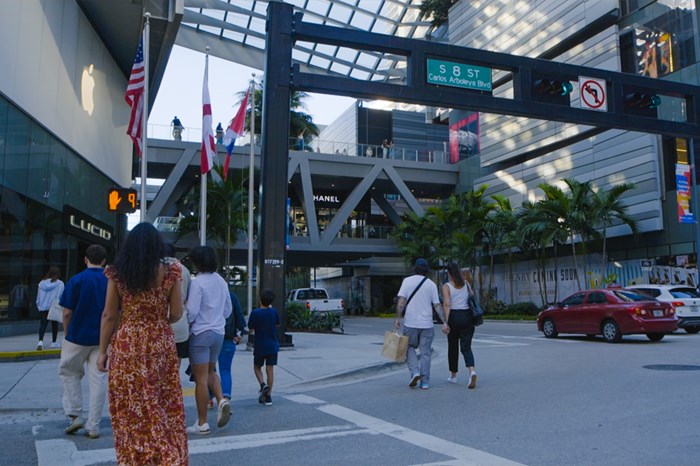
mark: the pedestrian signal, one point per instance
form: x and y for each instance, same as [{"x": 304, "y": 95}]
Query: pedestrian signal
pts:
[{"x": 122, "y": 200}]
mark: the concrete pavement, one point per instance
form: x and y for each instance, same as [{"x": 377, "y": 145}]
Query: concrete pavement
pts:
[{"x": 30, "y": 385}]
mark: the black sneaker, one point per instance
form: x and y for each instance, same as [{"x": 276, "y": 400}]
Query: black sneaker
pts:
[
  {"x": 268, "y": 398},
  {"x": 264, "y": 393}
]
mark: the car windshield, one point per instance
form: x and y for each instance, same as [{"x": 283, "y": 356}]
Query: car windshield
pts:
[
  {"x": 684, "y": 293},
  {"x": 631, "y": 296}
]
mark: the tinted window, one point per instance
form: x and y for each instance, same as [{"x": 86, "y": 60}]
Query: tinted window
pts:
[
  {"x": 573, "y": 300},
  {"x": 627, "y": 295},
  {"x": 684, "y": 293},
  {"x": 596, "y": 298},
  {"x": 653, "y": 292}
]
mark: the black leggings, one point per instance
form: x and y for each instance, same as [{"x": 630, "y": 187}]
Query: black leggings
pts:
[
  {"x": 42, "y": 326},
  {"x": 461, "y": 333}
]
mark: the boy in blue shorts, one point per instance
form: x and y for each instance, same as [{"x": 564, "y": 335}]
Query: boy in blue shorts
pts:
[{"x": 263, "y": 323}]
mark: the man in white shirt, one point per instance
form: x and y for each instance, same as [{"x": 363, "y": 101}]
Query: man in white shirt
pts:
[{"x": 418, "y": 295}]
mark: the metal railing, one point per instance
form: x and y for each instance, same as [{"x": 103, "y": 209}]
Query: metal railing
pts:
[{"x": 428, "y": 155}]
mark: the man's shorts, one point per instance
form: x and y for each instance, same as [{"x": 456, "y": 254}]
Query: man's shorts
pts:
[
  {"x": 269, "y": 359},
  {"x": 205, "y": 347}
]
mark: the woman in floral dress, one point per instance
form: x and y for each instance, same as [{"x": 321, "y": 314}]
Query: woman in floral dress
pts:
[{"x": 145, "y": 395}]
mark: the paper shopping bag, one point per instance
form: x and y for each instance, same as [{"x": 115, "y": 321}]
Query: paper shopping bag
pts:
[{"x": 395, "y": 346}]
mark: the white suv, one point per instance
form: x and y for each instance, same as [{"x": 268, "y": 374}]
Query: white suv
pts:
[{"x": 684, "y": 298}]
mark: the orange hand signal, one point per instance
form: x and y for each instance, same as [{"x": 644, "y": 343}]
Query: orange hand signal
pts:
[{"x": 114, "y": 200}]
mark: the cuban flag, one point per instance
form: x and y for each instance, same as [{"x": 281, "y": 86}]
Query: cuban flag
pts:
[
  {"x": 234, "y": 130},
  {"x": 208, "y": 143}
]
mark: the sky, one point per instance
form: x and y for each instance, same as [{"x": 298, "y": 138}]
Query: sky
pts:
[{"x": 180, "y": 94}]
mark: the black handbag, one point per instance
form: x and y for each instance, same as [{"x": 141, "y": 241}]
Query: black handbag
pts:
[{"x": 477, "y": 311}]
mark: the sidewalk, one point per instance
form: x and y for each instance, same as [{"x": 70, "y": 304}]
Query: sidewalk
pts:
[{"x": 30, "y": 383}]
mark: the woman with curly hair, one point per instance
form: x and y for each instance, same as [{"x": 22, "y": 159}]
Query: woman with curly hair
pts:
[{"x": 145, "y": 395}]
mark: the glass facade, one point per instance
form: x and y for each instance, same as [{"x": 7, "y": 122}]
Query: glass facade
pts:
[
  {"x": 658, "y": 38},
  {"x": 50, "y": 208}
]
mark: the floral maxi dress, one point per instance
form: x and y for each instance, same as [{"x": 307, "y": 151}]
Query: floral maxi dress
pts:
[{"x": 145, "y": 395}]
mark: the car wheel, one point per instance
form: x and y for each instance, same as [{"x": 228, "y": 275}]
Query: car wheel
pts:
[
  {"x": 549, "y": 329},
  {"x": 611, "y": 332},
  {"x": 692, "y": 330},
  {"x": 655, "y": 336}
]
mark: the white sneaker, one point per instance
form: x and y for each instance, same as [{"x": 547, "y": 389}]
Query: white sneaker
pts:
[
  {"x": 197, "y": 429},
  {"x": 40, "y": 345},
  {"x": 74, "y": 425},
  {"x": 55, "y": 344},
  {"x": 472, "y": 380},
  {"x": 224, "y": 413},
  {"x": 451, "y": 379}
]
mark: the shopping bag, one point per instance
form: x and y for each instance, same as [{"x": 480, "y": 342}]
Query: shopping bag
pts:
[
  {"x": 55, "y": 312},
  {"x": 395, "y": 346}
]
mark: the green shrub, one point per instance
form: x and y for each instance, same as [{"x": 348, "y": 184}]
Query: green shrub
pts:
[
  {"x": 302, "y": 319},
  {"x": 495, "y": 307},
  {"x": 528, "y": 309}
]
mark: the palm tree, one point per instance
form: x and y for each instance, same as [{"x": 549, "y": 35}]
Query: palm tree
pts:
[
  {"x": 609, "y": 208},
  {"x": 437, "y": 11},
  {"x": 501, "y": 229},
  {"x": 300, "y": 123},
  {"x": 226, "y": 212}
]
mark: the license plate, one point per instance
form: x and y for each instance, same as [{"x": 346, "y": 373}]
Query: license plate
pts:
[
  {"x": 694, "y": 309},
  {"x": 658, "y": 313}
]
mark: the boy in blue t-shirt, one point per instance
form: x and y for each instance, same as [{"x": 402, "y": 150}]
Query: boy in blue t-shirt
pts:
[{"x": 263, "y": 323}]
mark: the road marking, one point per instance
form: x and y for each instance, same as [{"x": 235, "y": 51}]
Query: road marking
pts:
[
  {"x": 64, "y": 451},
  {"x": 462, "y": 455},
  {"x": 484, "y": 342}
]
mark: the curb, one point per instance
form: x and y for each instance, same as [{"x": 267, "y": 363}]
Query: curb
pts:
[{"x": 33, "y": 355}]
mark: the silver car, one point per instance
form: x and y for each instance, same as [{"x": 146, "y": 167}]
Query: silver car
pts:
[{"x": 684, "y": 298}]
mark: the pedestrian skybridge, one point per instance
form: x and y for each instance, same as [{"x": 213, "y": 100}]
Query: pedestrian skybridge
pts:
[{"x": 342, "y": 207}]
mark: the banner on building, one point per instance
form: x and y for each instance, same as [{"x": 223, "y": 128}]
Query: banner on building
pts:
[{"x": 683, "y": 193}]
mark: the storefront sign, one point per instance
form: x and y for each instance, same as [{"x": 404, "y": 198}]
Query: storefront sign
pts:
[{"x": 86, "y": 227}]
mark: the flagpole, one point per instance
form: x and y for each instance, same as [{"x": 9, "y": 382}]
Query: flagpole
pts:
[
  {"x": 144, "y": 117},
  {"x": 251, "y": 187},
  {"x": 203, "y": 186}
]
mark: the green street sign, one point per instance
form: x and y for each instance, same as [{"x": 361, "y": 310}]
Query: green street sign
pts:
[{"x": 448, "y": 73}]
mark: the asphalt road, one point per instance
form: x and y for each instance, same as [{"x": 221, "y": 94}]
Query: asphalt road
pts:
[{"x": 565, "y": 401}]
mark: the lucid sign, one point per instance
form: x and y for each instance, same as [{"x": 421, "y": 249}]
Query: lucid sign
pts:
[{"x": 79, "y": 224}]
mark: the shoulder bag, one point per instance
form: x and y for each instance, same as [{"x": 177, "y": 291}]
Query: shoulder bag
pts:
[
  {"x": 477, "y": 311},
  {"x": 55, "y": 312}
]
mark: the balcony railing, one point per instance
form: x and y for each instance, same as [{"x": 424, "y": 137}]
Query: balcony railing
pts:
[{"x": 413, "y": 154}]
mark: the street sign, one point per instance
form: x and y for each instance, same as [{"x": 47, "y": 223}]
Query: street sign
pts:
[
  {"x": 448, "y": 73},
  {"x": 646, "y": 265},
  {"x": 593, "y": 94}
]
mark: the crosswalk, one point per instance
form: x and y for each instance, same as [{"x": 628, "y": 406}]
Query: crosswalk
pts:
[{"x": 64, "y": 452}]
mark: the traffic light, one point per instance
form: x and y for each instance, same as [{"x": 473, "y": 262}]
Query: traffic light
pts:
[
  {"x": 641, "y": 103},
  {"x": 122, "y": 200},
  {"x": 554, "y": 87},
  {"x": 553, "y": 91}
]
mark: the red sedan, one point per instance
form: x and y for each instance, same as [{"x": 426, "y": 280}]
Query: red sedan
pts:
[{"x": 611, "y": 313}]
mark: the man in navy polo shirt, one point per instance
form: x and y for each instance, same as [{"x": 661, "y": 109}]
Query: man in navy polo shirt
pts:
[{"x": 83, "y": 301}]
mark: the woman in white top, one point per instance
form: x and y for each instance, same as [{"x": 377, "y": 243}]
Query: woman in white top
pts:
[
  {"x": 50, "y": 290},
  {"x": 455, "y": 294}
]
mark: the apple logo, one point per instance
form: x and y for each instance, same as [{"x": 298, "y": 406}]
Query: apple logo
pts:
[{"x": 87, "y": 86}]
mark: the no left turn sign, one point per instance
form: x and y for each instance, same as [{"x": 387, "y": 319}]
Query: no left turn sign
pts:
[{"x": 593, "y": 94}]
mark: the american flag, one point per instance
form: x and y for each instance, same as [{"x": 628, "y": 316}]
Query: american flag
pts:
[
  {"x": 208, "y": 143},
  {"x": 134, "y": 97},
  {"x": 234, "y": 130}
]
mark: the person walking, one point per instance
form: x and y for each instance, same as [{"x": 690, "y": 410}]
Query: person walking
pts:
[
  {"x": 137, "y": 347},
  {"x": 208, "y": 307},
  {"x": 50, "y": 290},
  {"x": 418, "y": 296},
  {"x": 455, "y": 295},
  {"x": 83, "y": 301},
  {"x": 263, "y": 323},
  {"x": 177, "y": 128},
  {"x": 234, "y": 329}
]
